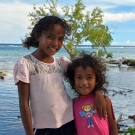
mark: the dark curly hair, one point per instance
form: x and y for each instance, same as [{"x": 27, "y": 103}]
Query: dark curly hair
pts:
[
  {"x": 42, "y": 25},
  {"x": 87, "y": 59}
]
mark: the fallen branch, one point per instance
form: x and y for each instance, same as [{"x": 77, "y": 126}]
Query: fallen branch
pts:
[{"x": 119, "y": 118}]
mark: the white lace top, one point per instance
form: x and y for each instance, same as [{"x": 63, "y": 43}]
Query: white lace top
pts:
[{"x": 50, "y": 105}]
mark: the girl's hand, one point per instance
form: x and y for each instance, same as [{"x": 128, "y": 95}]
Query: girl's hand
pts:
[{"x": 100, "y": 104}]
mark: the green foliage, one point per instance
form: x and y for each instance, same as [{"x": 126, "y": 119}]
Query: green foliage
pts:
[
  {"x": 86, "y": 26},
  {"x": 132, "y": 62},
  {"x": 130, "y": 130},
  {"x": 101, "y": 37},
  {"x": 101, "y": 53},
  {"x": 109, "y": 55},
  {"x": 73, "y": 51}
]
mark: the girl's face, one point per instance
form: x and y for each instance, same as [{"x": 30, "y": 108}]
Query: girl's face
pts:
[
  {"x": 51, "y": 40},
  {"x": 85, "y": 80}
]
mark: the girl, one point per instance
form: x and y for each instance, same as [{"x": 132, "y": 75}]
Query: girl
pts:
[
  {"x": 86, "y": 74},
  {"x": 45, "y": 106}
]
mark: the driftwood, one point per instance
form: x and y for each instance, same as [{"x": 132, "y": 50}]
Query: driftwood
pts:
[
  {"x": 2, "y": 75},
  {"x": 123, "y": 60},
  {"x": 119, "y": 118},
  {"x": 132, "y": 117},
  {"x": 120, "y": 125}
]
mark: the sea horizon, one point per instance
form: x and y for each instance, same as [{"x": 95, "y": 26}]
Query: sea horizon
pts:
[{"x": 81, "y": 45}]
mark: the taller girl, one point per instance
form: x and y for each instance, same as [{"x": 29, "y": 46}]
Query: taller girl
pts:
[{"x": 39, "y": 77}]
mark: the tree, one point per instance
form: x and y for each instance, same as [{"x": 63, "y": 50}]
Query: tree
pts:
[
  {"x": 84, "y": 24},
  {"x": 101, "y": 38}
]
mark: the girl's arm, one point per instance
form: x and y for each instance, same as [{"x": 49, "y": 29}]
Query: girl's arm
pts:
[
  {"x": 23, "y": 92},
  {"x": 100, "y": 103},
  {"x": 111, "y": 118}
]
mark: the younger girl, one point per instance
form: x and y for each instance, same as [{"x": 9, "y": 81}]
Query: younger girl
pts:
[
  {"x": 45, "y": 107},
  {"x": 86, "y": 74}
]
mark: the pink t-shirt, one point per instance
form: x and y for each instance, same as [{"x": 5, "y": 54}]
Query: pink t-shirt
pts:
[
  {"x": 50, "y": 105},
  {"x": 87, "y": 120}
]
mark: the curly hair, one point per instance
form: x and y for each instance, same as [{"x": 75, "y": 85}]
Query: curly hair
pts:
[
  {"x": 87, "y": 59},
  {"x": 42, "y": 25}
]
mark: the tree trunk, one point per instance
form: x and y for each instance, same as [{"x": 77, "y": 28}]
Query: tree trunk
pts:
[
  {"x": 69, "y": 52},
  {"x": 105, "y": 50}
]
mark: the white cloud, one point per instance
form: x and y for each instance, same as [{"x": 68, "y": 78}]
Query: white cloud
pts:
[
  {"x": 124, "y": 43},
  {"x": 14, "y": 20},
  {"x": 119, "y": 17},
  {"x": 113, "y": 2},
  {"x": 130, "y": 43},
  {"x": 90, "y": 7},
  {"x": 16, "y": 13},
  {"x": 127, "y": 42}
]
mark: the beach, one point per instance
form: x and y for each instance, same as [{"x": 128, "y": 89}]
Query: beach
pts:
[{"x": 121, "y": 87}]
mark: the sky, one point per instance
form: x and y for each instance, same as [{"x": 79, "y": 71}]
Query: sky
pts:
[{"x": 119, "y": 16}]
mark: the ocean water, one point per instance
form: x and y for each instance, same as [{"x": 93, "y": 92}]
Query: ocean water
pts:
[{"x": 121, "y": 87}]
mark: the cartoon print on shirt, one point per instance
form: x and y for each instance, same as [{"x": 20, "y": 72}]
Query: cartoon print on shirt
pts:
[{"x": 88, "y": 111}]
